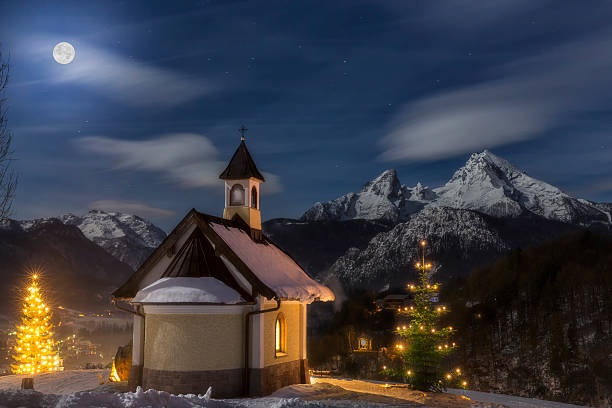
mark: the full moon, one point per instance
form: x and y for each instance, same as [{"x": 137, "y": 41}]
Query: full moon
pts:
[{"x": 63, "y": 53}]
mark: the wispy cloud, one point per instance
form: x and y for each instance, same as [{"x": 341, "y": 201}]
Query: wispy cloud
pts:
[
  {"x": 119, "y": 77},
  {"x": 188, "y": 159},
  {"x": 130, "y": 207},
  {"x": 527, "y": 98},
  {"x": 133, "y": 82}
]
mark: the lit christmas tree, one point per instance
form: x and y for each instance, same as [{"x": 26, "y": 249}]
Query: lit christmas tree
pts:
[
  {"x": 35, "y": 351},
  {"x": 424, "y": 343}
]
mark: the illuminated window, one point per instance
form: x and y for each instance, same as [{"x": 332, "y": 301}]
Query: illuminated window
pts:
[
  {"x": 237, "y": 195},
  {"x": 280, "y": 335},
  {"x": 254, "y": 197}
]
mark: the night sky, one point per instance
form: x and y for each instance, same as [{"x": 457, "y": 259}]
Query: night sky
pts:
[{"x": 333, "y": 93}]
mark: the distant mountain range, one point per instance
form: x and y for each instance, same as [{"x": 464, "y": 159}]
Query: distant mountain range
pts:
[
  {"x": 488, "y": 207},
  {"x": 128, "y": 238},
  {"x": 486, "y": 183}
]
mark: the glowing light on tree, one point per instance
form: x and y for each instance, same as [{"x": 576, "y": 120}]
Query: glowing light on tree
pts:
[{"x": 35, "y": 351}]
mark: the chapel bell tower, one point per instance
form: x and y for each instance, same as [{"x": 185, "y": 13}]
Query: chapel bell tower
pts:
[{"x": 242, "y": 181}]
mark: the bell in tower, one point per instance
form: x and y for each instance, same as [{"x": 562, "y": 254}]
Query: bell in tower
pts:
[{"x": 242, "y": 180}]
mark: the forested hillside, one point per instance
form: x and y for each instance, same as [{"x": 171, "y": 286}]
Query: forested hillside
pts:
[{"x": 538, "y": 322}]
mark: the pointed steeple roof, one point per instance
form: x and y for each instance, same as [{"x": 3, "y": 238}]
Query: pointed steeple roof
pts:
[{"x": 241, "y": 166}]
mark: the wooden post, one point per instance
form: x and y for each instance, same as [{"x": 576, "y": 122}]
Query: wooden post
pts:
[{"x": 27, "y": 383}]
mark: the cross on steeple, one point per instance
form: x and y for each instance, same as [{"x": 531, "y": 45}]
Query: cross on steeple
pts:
[{"x": 242, "y": 131}]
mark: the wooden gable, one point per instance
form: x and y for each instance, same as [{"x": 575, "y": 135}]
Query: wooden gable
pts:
[{"x": 195, "y": 256}]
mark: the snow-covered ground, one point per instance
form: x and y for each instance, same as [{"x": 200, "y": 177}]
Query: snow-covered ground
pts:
[
  {"x": 441, "y": 399},
  {"x": 510, "y": 400},
  {"x": 81, "y": 388},
  {"x": 61, "y": 382}
]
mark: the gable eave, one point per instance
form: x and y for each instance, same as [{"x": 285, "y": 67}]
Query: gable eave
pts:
[{"x": 126, "y": 291}]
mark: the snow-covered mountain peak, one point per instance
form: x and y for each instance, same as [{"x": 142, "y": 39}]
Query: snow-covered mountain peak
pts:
[
  {"x": 382, "y": 199},
  {"x": 98, "y": 224},
  {"x": 494, "y": 160},
  {"x": 386, "y": 185},
  {"x": 494, "y": 186}
]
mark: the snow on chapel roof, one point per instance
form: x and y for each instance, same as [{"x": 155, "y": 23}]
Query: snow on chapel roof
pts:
[
  {"x": 271, "y": 272},
  {"x": 188, "y": 290},
  {"x": 272, "y": 266}
]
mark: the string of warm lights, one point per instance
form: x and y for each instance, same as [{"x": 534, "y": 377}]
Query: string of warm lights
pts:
[
  {"x": 35, "y": 349},
  {"x": 423, "y": 336}
]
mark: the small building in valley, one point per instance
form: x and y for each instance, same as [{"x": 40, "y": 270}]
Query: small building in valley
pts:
[{"x": 219, "y": 304}]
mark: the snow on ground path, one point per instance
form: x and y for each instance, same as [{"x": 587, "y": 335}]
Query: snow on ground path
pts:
[
  {"x": 324, "y": 391},
  {"x": 510, "y": 400},
  {"x": 398, "y": 391},
  {"x": 449, "y": 399},
  {"x": 60, "y": 382}
]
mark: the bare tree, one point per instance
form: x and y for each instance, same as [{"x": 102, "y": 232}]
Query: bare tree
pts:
[{"x": 8, "y": 178}]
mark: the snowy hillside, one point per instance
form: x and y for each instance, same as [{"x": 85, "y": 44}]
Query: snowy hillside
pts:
[
  {"x": 128, "y": 238},
  {"x": 486, "y": 183},
  {"x": 389, "y": 257},
  {"x": 382, "y": 199}
]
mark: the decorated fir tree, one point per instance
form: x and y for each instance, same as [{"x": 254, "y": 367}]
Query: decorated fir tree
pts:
[
  {"x": 424, "y": 346},
  {"x": 35, "y": 350}
]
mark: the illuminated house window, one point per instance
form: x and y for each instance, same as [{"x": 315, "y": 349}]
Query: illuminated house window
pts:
[
  {"x": 280, "y": 335},
  {"x": 237, "y": 195}
]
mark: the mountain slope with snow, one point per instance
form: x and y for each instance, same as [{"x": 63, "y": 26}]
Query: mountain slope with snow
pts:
[
  {"x": 459, "y": 240},
  {"x": 128, "y": 238},
  {"x": 486, "y": 183},
  {"x": 389, "y": 258}
]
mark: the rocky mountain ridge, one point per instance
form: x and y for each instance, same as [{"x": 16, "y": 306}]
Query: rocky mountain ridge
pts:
[
  {"x": 486, "y": 183},
  {"x": 128, "y": 238},
  {"x": 382, "y": 199}
]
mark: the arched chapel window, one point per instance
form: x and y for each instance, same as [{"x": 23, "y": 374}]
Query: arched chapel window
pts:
[
  {"x": 280, "y": 335},
  {"x": 254, "y": 197},
  {"x": 237, "y": 195}
]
